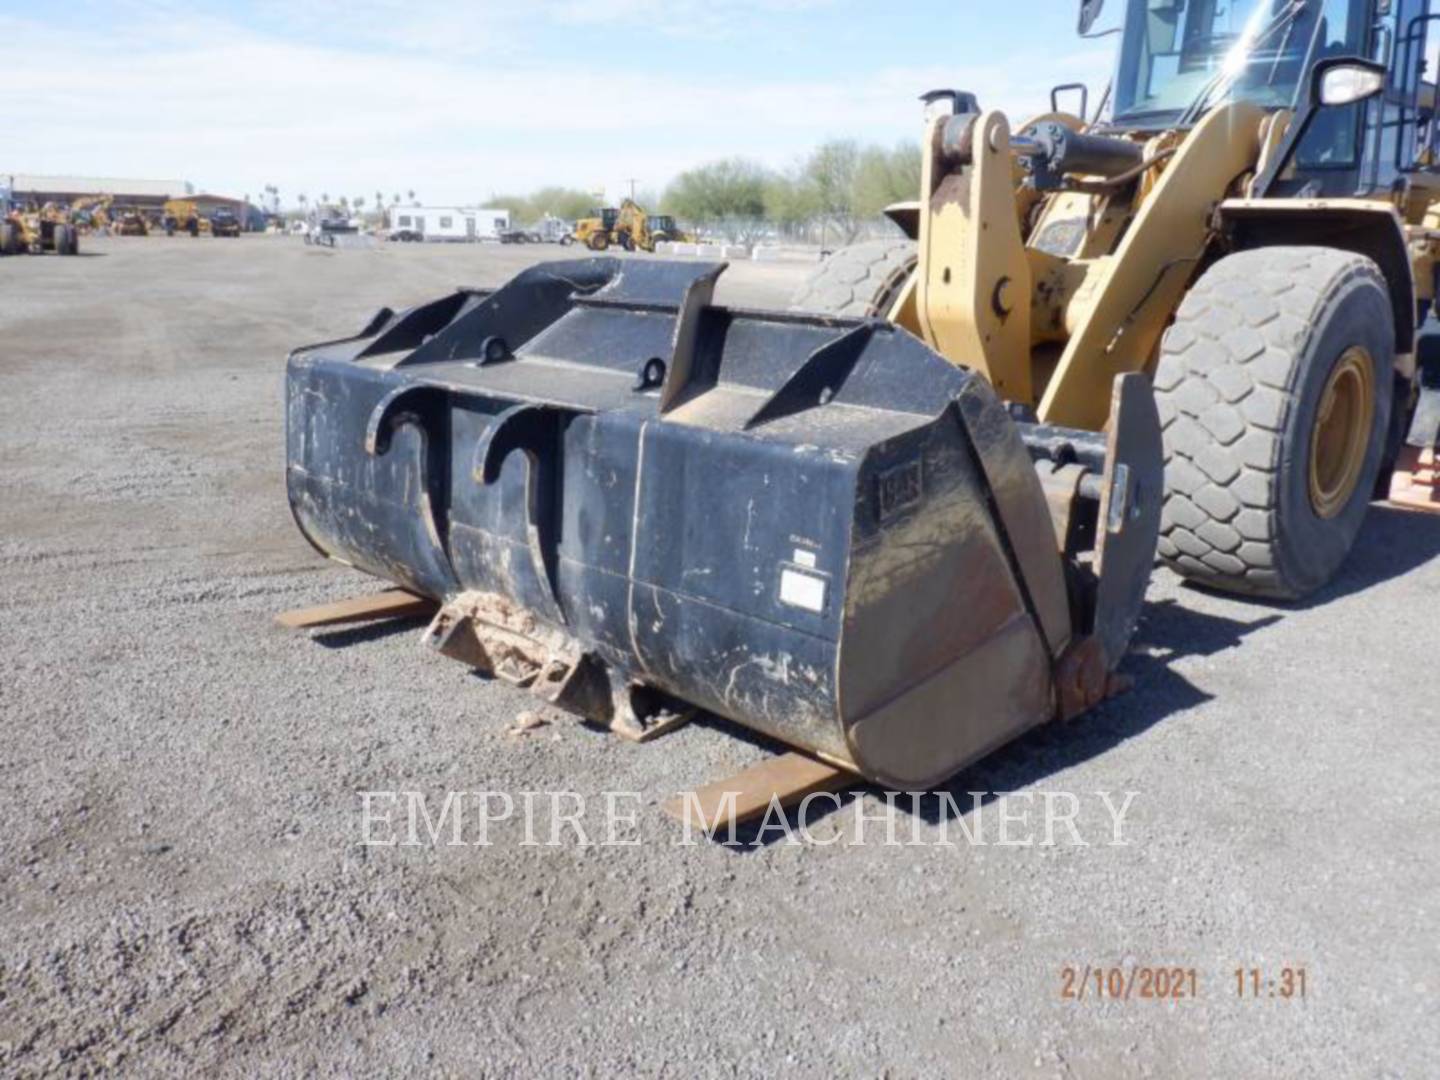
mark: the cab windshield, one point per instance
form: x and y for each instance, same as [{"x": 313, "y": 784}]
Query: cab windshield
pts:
[{"x": 1182, "y": 56}]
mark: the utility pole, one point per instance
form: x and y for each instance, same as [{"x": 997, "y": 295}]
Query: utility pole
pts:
[{"x": 632, "y": 182}]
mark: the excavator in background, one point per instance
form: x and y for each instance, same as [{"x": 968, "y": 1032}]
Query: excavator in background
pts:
[
  {"x": 98, "y": 214},
  {"x": 916, "y": 516},
  {"x": 92, "y": 214}
]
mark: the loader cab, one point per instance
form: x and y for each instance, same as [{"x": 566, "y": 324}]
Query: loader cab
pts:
[{"x": 1180, "y": 57}]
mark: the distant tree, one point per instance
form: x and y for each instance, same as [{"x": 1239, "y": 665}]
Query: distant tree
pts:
[
  {"x": 411, "y": 196},
  {"x": 729, "y": 194},
  {"x": 788, "y": 204},
  {"x": 395, "y": 199},
  {"x": 566, "y": 203},
  {"x": 827, "y": 179},
  {"x": 522, "y": 211},
  {"x": 883, "y": 177}
]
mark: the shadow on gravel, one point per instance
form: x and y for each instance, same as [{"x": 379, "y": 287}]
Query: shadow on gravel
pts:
[
  {"x": 376, "y": 631},
  {"x": 80, "y": 255},
  {"x": 1391, "y": 544},
  {"x": 1168, "y": 632}
]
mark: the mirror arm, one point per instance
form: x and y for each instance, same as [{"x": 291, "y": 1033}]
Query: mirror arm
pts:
[{"x": 1299, "y": 125}]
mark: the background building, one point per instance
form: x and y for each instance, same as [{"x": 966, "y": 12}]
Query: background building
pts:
[{"x": 127, "y": 193}]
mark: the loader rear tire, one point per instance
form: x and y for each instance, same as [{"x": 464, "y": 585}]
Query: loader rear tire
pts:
[
  {"x": 862, "y": 280},
  {"x": 9, "y": 238},
  {"x": 1274, "y": 392}
]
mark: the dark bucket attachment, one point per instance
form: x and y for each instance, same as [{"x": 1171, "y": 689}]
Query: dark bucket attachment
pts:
[{"x": 631, "y": 502}]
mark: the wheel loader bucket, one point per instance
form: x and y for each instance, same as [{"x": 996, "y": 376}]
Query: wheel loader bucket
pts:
[{"x": 632, "y": 501}]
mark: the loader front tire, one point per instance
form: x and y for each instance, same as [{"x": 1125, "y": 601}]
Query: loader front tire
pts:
[
  {"x": 862, "y": 280},
  {"x": 1274, "y": 392},
  {"x": 9, "y": 238}
]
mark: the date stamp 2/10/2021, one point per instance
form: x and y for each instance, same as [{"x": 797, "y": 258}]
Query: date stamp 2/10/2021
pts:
[{"x": 1177, "y": 982}]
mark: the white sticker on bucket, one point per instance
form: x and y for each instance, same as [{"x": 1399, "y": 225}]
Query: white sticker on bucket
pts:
[
  {"x": 802, "y": 590},
  {"x": 804, "y": 558}
]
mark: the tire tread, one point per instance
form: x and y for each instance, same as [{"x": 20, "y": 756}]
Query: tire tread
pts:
[
  {"x": 1224, "y": 387},
  {"x": 851, "y": 281}
]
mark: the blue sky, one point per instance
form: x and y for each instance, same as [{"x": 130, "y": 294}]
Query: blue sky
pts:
[{"x": 460, "y": 100}]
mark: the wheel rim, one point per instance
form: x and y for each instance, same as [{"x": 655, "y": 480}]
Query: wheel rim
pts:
[{"x": 1341, "y": 436}]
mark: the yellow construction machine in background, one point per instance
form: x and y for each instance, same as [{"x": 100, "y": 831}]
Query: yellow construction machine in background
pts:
[
  {"x": 593, "y": 230},
  {"x": 38, "y": 230},
  {"x": 92, "y": 214},
  {"x": 132, "y": 223},
  {"x": 628, "y": 227},
  {"x": 183, "y": 215}
]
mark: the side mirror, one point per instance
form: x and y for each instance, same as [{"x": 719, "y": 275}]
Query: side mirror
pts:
[
  {"x": 1089, "y": 12},
  {"x": 1343, "y": 80}
]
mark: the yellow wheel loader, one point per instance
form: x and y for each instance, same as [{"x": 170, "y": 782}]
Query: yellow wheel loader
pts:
[
  {"x": 594, "y": 229},
  {"x": 1252, "y": 227},
  {"x": 34, "y": 231},
  {"x": 901, "y": 527}
]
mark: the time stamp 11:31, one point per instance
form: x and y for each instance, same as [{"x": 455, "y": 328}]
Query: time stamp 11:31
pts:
[{"x": 1149, "y": 982}]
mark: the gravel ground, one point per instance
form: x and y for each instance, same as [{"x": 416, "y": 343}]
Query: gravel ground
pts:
[{"x": 182, "y": 888}]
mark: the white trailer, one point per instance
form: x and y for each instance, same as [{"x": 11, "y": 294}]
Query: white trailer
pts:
[{"x": 448, "y": 223}]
